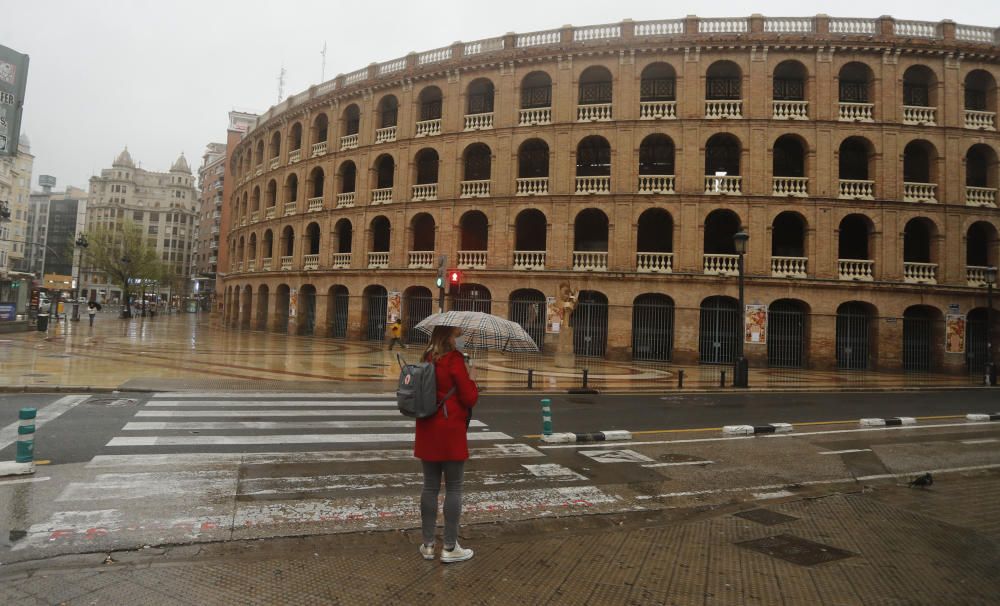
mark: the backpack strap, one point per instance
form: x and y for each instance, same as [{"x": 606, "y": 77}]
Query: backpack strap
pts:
[
  {"x": 400, "y": 360},
  {"x": 441, "y": 404}
]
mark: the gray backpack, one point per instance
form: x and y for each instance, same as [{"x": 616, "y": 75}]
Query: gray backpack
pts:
[{"x": 416, "y": 392}]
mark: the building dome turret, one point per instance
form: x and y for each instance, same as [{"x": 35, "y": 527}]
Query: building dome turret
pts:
[
  {"x": 181, "y": 165},
  {"x": 124, "y": 159}
]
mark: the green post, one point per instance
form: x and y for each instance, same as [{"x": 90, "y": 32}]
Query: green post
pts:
[
  {"x": 547, "y": 417},
  {"x": 25, "y": 435}
]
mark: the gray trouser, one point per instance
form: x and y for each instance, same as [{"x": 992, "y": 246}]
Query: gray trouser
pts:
[{"x": 452, "y": 471}]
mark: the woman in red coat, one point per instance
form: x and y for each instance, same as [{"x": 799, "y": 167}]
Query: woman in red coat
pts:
[{"x": 441, "y": 443}]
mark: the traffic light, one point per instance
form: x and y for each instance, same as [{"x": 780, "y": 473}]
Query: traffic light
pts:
[
  {"x": 442, "y": 271},
  {"x": 15, "y": 284},
  {"x": 454, "y": 280}
]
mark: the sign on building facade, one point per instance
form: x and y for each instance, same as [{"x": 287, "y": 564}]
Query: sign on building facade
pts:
[{"x": 13, "y": 76}]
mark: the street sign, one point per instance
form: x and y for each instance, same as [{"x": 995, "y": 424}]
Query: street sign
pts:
[{"x": 13, "y": 76}]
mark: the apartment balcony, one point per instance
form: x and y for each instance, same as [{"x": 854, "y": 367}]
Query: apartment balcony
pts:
[
  {"x": 527, "y": 260},
  {"x": 724, "y": 109},
  {"x": 595, "y": 112},
  {"x": 421, "y": 259},
  {"x": 656, "y": 184},
  {"x": 789, "y": 267},
  {"x": 270, "y": 212},
  {"x": 980, "y": 120},
  {"x": 213, "y": 259},
  {"x": 428, "y": 191},
  {"x": 472, "y": 259},
  {"x": 385, "y": 135},
  {"x": 285, "y": 263},
  {"x": 857, "y": 189},
  {"x": 428, "y": 128},
  {"x": 590, "y": 260},
  {"x": 858, "y": 270},
  {"x": 259, "y": 170},
  {"x": 535, "y": 116},
  {"x": 975, "y": 275},
  {"x": 315, "y": 204},
  {"x": 657, "y": 110},
  {"x": 294, "y": 156},
  {"x": 790, "y": 186},
  {"x": 382, "y": 195},
  {"x": 981, "y": 196},
  {"x": 728, "y": 185},
  {"x": 239, "y": 266},
  {"x": 273, "y": 163},
  {"x": 790, "y": 110},
  {"x": 919, "y": 192},
  {"x": 378, "y": 260},
  {"x": 479, "y": 121},
  {"x": 266, "y": 264},
  {"x": 532, "y": 186},
  {"x": 255, "y": 216},
  {"x": 654, "y": 262},
  {"x": 475, "y": 189},
  {"x": 720, "y": 265},
  {"x": 918, "y": 115},
  {"x": 251, "y": 265},
  {"x": 215, "y": 230},
  {"x": 341, "y": 261},
  {"x": 290, "y": 208},
  {"x": 319, "y": 149},
  {"x": 593, "y": 185},
  {"x": 919, "y": 273},
  {"x": 856, "y": 112},
  {"x": 346, "y": 200},
  {"x": 348, "y": 142},
  {"x": 310, "y": 262}
]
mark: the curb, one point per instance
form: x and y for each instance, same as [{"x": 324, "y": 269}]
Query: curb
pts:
[
  {"x": 56, "y": 389},
  {"x": 597, "y": 436},
  {"x": 746, "y": 430},
  {"x": 980, "y": 418},
  {"x": 16, "y": 469},
  {"x": 890, "y": 422}
]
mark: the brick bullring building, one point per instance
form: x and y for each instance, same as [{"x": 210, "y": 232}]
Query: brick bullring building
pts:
[{"x": 860, "y": 155}]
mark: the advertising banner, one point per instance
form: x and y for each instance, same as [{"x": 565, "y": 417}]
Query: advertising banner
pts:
[
  {"x": 8, "y": 312},
  {"x": 393, "y": 306},
  {"x": 293, "y": 302},
  {"x": 954, "y": 333},
  {"x": 553, "y": 316},
  {"x": 755, "y": 324},
  {"x": 13, "y": 77}
]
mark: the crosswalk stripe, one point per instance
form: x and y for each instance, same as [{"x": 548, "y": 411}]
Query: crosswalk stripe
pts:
[
  {"x": 272, "y": 403},
  {"x": 283, "y": 439},
  {"x": 216, "y": 425},
  {"x": 268, "y": 413},
  {"x": 266, "y": 394}
]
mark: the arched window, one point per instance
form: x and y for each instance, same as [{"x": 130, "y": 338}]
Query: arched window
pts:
[
  {"x": 532, "y": 160},
  {"x": 287, "y": 241},
  {"x": 590, "y": 235},
  {"x": 855, "y": 83},
  {"x": 380, "y": 234},
  {"x": 388, "y": 111},
  {"x": 320, "y": 128},
  {"x": 316, "y": 183},
  {"x": 918, "y": 241},
  {"x": 854, "y": 233},
  {"x": 980, "y": 251},
  {"x": 479, "y": 98},
  {"x": 430, "y": 103},
  {"x": 312, "y": 238},
  {"x": 255, "y": 199},
  {"x": 919, "y": 172},
  {"x": 474, "y": 228},
  {"x": 536, "y": 91},
  {"x": 981, "y": 176},
  {"x": 656, "y": 155},
  {"x": 655, "y": 242},
  {"x": 530, "y": 233},
  {"x": 723, "y": 82},
  {"x": 919, "y": 84},
  {"x": 344, "y": 233},
  {"x": 385, "y": 170},
  {"x": 789, "y": 157},
  {"x": 477, "y": 162},
  {"x": 267, "y": 245},
  {"x": 272, "y": 193},
  {"x": 980, "y": 99},
  {"x": 720, "y": 227},
  {"x": 722, "y": 155},
  {"x": 427, "y": 166},
  {"x": 658, "y": 83},
  {"x": 423, "y": 228},
  {"x": 856, "y": 169},
  {"x": 789, "y": 83},
  {"x": 595, "y": 86},
  {"x": 352, "y": 120},
  {"x": 295, "y": 137},
  {"x": 593, "y": 157},
  {"x": 275, "y": 147},
  {"x": 788, "y": 242},
  {"x": 348, "y": 177}
]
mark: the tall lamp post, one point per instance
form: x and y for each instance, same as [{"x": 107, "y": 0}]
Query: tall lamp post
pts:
[
  {"x": 127, "y": 309},
  {"x": 741, "y": 371},
  {"x": 81, "y": 245},
  {"x": 991, "y": 368}
]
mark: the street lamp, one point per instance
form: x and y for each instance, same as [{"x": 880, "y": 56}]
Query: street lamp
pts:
[
  {"x": 741, "y": 371},
  {"x": 991, "y": 368},
  {"x": 81, "y": 245},
  {"x": 127, "y": 309}
]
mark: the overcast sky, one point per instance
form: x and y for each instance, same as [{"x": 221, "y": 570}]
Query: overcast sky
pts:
[{"x": 160, "y": 76}]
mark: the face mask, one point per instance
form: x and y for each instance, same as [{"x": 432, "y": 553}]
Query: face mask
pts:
[{"x": 460, "y": 343}]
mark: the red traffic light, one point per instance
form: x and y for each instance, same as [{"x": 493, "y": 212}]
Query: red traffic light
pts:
[{"x": 454, "y": 277}]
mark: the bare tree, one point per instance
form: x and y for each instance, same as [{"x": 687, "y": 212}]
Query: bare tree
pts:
[{"x": 124, "y": 256}]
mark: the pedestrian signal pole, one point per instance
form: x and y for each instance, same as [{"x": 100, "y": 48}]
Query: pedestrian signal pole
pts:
[{"x": 441, "y": 280}]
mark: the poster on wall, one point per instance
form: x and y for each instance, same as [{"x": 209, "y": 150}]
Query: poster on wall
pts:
[
  {"x": 954, "y": 333},
  {"x": 755, "y": 324},
  {"x": 293, "y": 302},
  {"x": 553, "y": 316},
  {"x": 393, "y": 307}
]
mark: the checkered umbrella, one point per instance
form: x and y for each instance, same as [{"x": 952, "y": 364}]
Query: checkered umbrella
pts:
[{"x": 482, "y": 331}]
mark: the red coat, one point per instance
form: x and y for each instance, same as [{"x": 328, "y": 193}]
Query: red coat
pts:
[{"x": 441, "y": 438}]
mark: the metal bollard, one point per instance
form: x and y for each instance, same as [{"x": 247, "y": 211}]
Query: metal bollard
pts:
[
  {"x": 546, "y": 417},
  {"x": 680, "y": 379},
  {"x": 531, "y": 378},
  {"x": 586, "y": 372},
  {"x": 722, "y": 379},
  {"x": 25, "y": 435}
]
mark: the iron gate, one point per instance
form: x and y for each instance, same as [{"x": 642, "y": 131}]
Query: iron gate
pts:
[
  {"x": 653, "y": 331},
  {"x": 340, "y": 303},
  {"x": 377, "y": 307},
  {"x": 308, "y": 312},
  {"x": 472, "y": 298},
  {"x": 917, "y": 337},
  {"x": 852, "y": 340},
  {"x": 975, "y": 342},
  {"x": 719, "y": 333},
  {"x": 590, "y": 328},
  {"x": 530, "y": 314},
  {"x": 417, "y": 308},
  {"x": 785, "y": 336}
]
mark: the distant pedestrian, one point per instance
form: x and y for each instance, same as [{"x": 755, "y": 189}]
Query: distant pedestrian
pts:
[
  {"x": 92, "y": 311},
  {"x": 395, "y": 332},
  {"x": 441, "y": 443}
]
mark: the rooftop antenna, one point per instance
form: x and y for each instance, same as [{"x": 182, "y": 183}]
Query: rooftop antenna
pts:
[
  {"x": 322, "y": 73},
  {"x": 281, "y": 84}
]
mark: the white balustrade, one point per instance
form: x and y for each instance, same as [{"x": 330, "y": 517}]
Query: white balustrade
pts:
[
  {"x": 428, "y": 191},
  {"x": 790, "y": 186},
  {"x": 725, "y": 185},
  {"x": 974, "y": 33},
  {"x": 594, "y": 112},
  {"x": 421, "y": 259},
  {"x": 654, "y": 262},
  {"x": 315, "y": 204},
  {"x": 980, "y": 120},
  {"x": 790, "y": 110},
  {"x": 252, "y": 265},
  {"x": 529, "y": 259},
  {"x": 483, "y": 46},
  {"x": 290, "y": 208},
  {"x": 789, "y": 267},
  {"x": 270, "y": 212},
  {"x": 857, "y": 189},
  {"x": 975, "y": 275},
  {"x": 919, "y": 192},
  {"x": 472, "y": 259},
  {"x": 915, "y": 114},
  {"x": 345, "y": 200},
  {"x": 341, "y": 260},
  {"x": 479, "y": 121},
  {"x": 255, "y": 216},
  {"x": 852, "y": 26},
  {"x": 356, "y": 76},
  {"x": 723, "y": 109},
  {"x": 243, "y": 221},
  {"x": 382, "y": 195},
  {"x": 259, "y": 170},
  {"x": 427, "y": 128},
  {"x": 919, "y": 273},
  {"x": 273, "y": 163},
  {"x": 656, "y": 184},
  {"x": 915, "y": 29},
  {"x": 378, "y": 260},
  {"x": 597, "y": 32},
  {"x": 318, "y": 149},
  {"x": 860, "y": 270},
  {"x": 475, "y": 189},
  {"x": 348, "y": 142},
  {"x": 294, "y": 156},
  {"x": 593, "y": 185},
  {"x": 720, "y": 265},
  {"x": 389, "y": 67},
  {"x": 856, "y": 112},
  {"x": 434, "y": 56},
  {"x": 537, "y": 38},
  {"x": 286, "y": 263},
  {"x": 532, "y": 186},
  {"x": 724, "y": 25},
  {"x": 657, "y": 110},
  {"x": 789, "y": 25},
  {"x": 668, "y": 27},
  {"x": 534, "y": 116},
  {"x": 385, "y": 135},
  {"x": 980, "y": 196},
  {"x": 310, "y": 262},
  {"x": 590, "y": 260},
  {"x": 265, "y": 264},
  {"x": 239, "y": 266}
]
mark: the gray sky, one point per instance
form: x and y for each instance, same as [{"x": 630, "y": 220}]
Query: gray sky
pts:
[{"x": 160, "y": 76}]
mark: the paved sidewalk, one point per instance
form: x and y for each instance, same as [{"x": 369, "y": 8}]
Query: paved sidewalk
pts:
[
  {"x": 188, "y": 352},
  {"x": 886, "y": 544}
]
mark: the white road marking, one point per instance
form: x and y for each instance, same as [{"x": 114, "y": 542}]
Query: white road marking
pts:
[
  {"x": 679, "y": 463},
  {"x": 23, "y": 481},
  {"x": 617, "y": 456},
  {"x": 350, "y": 438},
  {"x": 268, "y": 413},
  {"x": 267, "y": 394},
  {"x": 184, "y": 485},
  {"x": 270, "y": 404},
  {"x": 216, "y": 425},
  {"x": 778, "y": 494},
  {"x": 983, "y": 441},
  {"x": 848, "y": 451},
  {"x": 8, "y": 435},
  {"x": 553, "y": 471}
]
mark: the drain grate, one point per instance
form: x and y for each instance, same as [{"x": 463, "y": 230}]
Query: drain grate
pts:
[
  {"x": 796, "y": 550},
  {"x": 765, "y": 516}
]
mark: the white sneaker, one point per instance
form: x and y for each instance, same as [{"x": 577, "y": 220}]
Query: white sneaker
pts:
[
  {"x": 427, "y": 551},
  {"x": 458, "y": 554}
]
